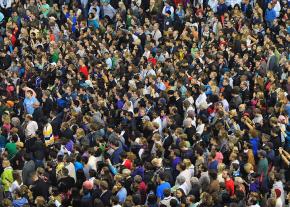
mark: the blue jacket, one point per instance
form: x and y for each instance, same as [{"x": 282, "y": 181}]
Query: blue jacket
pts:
[
  {"x": 116, "y": 156},
  {"x": 221, "y": 9},
  {"x": 255, "y": 145},
  {"x": 20, "y": 202},
  {"x": 270, "y": 15},
  {"x": 287, "y": 139}
]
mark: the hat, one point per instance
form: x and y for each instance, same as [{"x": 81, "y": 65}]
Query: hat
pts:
[
  {"x": 157, "y": 162},
  {"x": 168, "y": 12},
  {"x": 262, "y": 153},
  {"x": 10, "y": 104},
  {"x": 88, "y": 185}
]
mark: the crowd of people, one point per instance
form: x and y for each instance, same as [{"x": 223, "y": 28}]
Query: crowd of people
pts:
[{"x": 155, "y": 103}]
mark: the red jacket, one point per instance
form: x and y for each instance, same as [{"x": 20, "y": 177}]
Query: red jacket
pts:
[{"x": 84, "y": 70}]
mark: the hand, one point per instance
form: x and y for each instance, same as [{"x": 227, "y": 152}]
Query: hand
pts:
[{"x": 280, "y": 150}]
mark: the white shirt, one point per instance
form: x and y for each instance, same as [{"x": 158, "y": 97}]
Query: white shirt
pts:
[
  {"x": 200, "y": 99},
  {"x": 187, "y": 175},
  {"x": 156, "y": 35},
  {"x": 93, "y": 162},
  {"x": 200, "y": 128},
  {"x": 5, "y": 4},
  {"x": 31, "y": 128},
  {"x": 279, "y": 202},
  {"x": 166, "y": 201},
  {"x": 161, "y": 122},
  {"x": 14, "y": 186},
  {"x": 226, "y": 105},
  {"x": 146, "y": 54},
  {"x": 277, "y": 8},
  {"x": 279, "y": 185},
  {"x": 190, "y": 99},
  {"x": 151, "y": 72},
  {"x": 232, "y": 3},
  {"x": 213, "y": 5},
  {"x": 71, "y": 170}
]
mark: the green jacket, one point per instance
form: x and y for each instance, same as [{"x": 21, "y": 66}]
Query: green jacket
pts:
[{"x": 7, "y": 178}]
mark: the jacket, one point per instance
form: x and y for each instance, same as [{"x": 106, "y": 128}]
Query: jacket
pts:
[
  {"x": 28, "y": 169},
  {"x": 7, "y": 178},
  {"x": 20, "y": 202},
  {"x": 270, "y": 15}
]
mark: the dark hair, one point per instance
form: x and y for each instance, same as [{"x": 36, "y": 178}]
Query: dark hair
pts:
[
  {"x": 114, "y": 200},
  {"x": 98, "y": 202},
  {"x": 162, "y": 176}
]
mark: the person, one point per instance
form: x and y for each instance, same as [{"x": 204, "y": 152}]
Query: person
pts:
[
  {"x": 29, "y": 101},
  {"x": 11, "y": 148},
  {"x": 40, "y": 184},
  {"x": 7, "y": 177},
  {"x": 17, "y": 182},
  {"x": 270, "y": 15},
  {"x": 138, "y": 97},
  {"x": 229, "y": 183},
  {"x": 31, "y": 126},
  {"x": 28, "y": 169},
  {"x": 19, "y": 200},
  {"x": 162, "y": 185}
]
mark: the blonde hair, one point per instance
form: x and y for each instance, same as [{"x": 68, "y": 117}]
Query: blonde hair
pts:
[
  {"x": 6, "y": 163},
  {"x": 131, "y": 156},
  {"x": 6, "y": 119},
  {"x": 221, "y": 167},
  {"x": 248, "y": 167},
  {"x": 187, "y": 163},
  {"x": 80, "y": 133}
]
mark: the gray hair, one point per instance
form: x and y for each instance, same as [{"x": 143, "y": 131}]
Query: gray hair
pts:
[{"x": 180, "y": 179}]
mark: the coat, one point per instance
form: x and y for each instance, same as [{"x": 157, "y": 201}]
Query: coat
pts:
[
  {"x": 7, "y": 178},
  {"x": 28, "y": 169}
]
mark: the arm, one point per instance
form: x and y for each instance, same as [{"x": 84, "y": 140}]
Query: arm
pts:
[
  {"x": 163, "y": 11},
  {"x": 111, "y": 167},
  {"x": 27, "y": 88},
  {"x": 283, "y": 152},
  {"x": 246, "y": 121},
  {"x": 284, "y": 155}
]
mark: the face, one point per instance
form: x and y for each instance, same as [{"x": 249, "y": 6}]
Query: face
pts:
[
  {"x": 178, "y": 194},
  {"x": 28, "y": 95},
  {"x": 224, "y": 174}
]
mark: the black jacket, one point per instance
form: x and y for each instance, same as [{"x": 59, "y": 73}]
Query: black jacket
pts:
[{"x": 5, "y": 62}]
